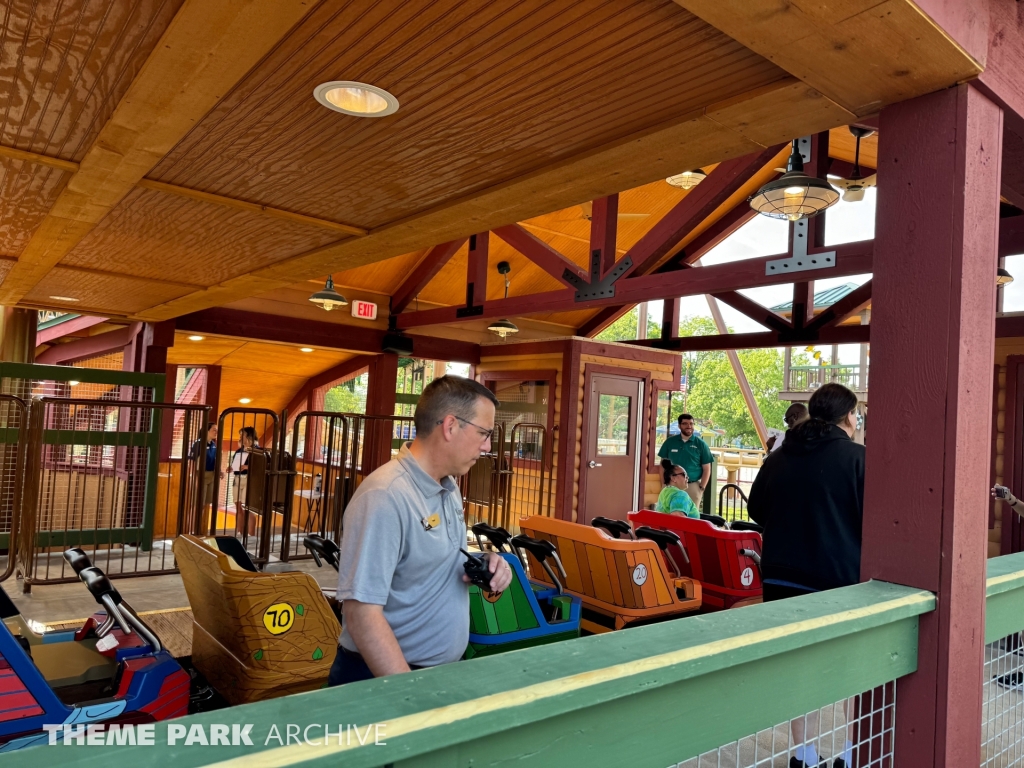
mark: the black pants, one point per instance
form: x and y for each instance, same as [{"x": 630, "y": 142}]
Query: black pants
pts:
[
  {"x": 350, "y": 668},
  {"x": 779, "y": 592}
]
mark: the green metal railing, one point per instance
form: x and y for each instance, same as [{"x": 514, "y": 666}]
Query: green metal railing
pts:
[
  {"x": 805, "y": 378},
  {"x": 653, "y": 695}
]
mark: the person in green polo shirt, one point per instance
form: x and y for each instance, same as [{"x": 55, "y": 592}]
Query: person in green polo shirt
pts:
[{"x": 691, "y": 453}]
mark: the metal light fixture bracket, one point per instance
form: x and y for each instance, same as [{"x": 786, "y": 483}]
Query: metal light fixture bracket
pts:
[{"x": 801, "y": 260}]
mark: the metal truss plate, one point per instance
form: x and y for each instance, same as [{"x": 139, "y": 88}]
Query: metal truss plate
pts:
[{"x": 801, "y": 263}]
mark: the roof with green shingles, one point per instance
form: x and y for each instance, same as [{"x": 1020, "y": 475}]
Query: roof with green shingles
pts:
[{"x": 821, "y": 299}]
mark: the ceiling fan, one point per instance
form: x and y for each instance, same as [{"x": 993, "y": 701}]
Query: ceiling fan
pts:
[
  {"x": 855, "y": 186},
  {"x": 587, "y": 212}
]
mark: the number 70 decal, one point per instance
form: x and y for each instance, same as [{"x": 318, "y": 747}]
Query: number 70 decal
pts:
[{"x": 278, "y": 618}]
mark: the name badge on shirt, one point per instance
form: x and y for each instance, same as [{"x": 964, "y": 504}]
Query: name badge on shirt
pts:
[{"x": 431, "y": 522}]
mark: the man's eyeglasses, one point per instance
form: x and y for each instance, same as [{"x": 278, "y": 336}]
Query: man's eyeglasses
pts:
[{"x": 488, "y": 433}]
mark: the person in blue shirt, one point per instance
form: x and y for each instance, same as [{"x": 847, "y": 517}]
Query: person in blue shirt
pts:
[
  {"x": 673, "y": 499},
  {"x": 210, "y": 440},
  {"x": 688, "y": 451}
]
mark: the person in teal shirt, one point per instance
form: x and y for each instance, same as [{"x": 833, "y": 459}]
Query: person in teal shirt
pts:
[
  {"x": 673, "y": 499},
  {"x": 688, "y": 451}
]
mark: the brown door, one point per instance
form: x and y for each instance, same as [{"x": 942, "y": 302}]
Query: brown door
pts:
[{"x": 610, "y": 466}]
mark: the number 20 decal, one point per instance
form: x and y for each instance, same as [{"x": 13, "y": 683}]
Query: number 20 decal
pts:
[{"x": 278, "y": 618}]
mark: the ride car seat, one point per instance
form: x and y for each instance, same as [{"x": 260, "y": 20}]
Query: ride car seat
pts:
[{"x": 255, "y": 635}]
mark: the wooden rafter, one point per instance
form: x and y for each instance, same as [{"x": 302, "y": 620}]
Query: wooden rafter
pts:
[
  {"x": 34, "y": 157},
  {"x": 206, "y": 50},
  {"x": 851, "y": 259},
  {"x": 753, "y": 310},
  {"x": 424, "y": 272},
  {"x": 741, "y": 375},
  {"x": 846, "y": 334},
  {"x": 540, "y": 253}
]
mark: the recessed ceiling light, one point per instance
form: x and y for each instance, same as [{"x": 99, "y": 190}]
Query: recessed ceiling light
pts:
[
  {"x": 358, "y": 99},
  {"x": 195, "y": 338},
  {"x": 74, "y": 383},
  {"x": 245, "y": 400},
  {"x": 305, "y": 349},
  {"x": 63, "y": 298}
]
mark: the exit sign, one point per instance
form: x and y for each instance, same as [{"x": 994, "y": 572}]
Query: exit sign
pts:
[{"x": 364, "y": 310}]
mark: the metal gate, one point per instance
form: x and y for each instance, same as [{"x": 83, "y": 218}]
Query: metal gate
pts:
[
  {"x": 101, "y": 475},
  {"x": 13, "y": 431}
]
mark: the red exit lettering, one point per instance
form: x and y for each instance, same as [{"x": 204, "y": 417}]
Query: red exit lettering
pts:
[{"x": 364, "y": 310}]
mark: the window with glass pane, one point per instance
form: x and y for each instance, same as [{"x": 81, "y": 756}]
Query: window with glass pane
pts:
[
  {"x": 523, "y": 402},
  {"x": 613, "y": 425}
]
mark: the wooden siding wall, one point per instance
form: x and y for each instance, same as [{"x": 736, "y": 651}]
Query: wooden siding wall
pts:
[
  {"x": 1004, "y": 348},
  {"x": 662, "y": 367}
]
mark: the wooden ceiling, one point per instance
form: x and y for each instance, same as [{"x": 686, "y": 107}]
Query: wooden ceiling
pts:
[{"x": 163, "y": 156}]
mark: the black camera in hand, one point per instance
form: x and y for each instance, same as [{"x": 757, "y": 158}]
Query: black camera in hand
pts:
[{"x": 477, "y": 570}]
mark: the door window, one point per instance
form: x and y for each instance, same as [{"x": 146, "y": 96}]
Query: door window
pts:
[{"x": 614, "y": 412}]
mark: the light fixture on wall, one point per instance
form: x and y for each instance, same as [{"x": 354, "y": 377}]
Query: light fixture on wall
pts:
[
  {"x": 356, "y": 99},
  {"x": 328, "y": 298},
  {"x": 687, "y": 179},
  {"x": 1003, "y": 277},
  {"x": 794, "y": 195},
  {"x": 503, "y": 327},
  {"x": 195, "y": 338},
  {"x": 245, "y": 400}
]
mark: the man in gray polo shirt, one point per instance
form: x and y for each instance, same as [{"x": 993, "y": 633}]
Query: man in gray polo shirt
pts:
[{"x": 405, "y": 592}]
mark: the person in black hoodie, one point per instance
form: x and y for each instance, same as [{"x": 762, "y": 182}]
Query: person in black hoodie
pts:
[{"x": 809, "y": 497}]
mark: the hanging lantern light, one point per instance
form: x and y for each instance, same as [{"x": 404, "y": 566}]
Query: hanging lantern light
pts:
[
  {"x": 1003, "y": 277},
  {"x": 794, "y": 195},
  {"x": 328, "y": 298},
  {"x": 503, "y": 327},
  {"x": 687, "y": 179}
]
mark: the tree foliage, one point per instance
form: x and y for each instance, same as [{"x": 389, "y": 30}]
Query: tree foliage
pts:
[{"x": 347, "y": 397}]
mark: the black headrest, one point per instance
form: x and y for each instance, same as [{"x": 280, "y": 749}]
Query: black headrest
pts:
[
  {"x": 99, "y": 585},
  {"x": 77, "y": 559},
  {"x": 663, "y": 539},
  {"x": 714, "y": 520},
  {"x": 615, "y": 527},
  {"x": 745, "y": 525},
  {"x": 499, "y": 537},
  {"x": 233, "y": 548},
  {"x": 326, "y": 548},
  {"x": 537, "y": 547}
]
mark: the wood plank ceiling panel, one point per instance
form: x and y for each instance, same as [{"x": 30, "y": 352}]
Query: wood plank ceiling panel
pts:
[
  {"x": 489, "y": 92},
  {"x": 64, "y": 66},
  {"x": 151, "y": 234},
  {"x": 108, "y": 294}
]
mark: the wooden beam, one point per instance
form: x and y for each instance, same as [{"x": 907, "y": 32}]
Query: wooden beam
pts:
[
  {"x": 861, "y": 56},
  {"x": 932, "y": 322},
  {"x": 803, "y": 303},
  {"x": 708, "y": 135},
  {"x": 845, "y": 334},
  {"x": 756, "y": 312},
  {"x": 851, "y": 259},
  {"x": 75, "y": 324},
  {"x": 35, "y": 157},
  {"x": 1012, "y": 179},
  {"x": 476, "y": 268},
  {"x": 850, "y": 304},
  {"x": 424, "y": 272},
  {"x": 732, "y": 220},
  {"x": 91, "y": 346},
  {"x": 741, "y": 376},
  {"x": 245, "y": 205},
  {"x": 698, "y": 205},
  {"x": 670, "y": 319},
  {"x": 207, "y": 48},
  {"x": 288, "y": 330},
  {"x": 540, "y": 253},
  {"x": 604, "y": 228}
]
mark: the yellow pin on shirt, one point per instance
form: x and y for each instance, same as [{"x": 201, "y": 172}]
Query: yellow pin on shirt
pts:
[{"x": 431, "y": 522}]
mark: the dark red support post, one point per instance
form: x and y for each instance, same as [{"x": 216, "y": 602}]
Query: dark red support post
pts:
[
  {"x": 670, "y": 319},
  {"x": 933, "y": 341},
  {"x": 380, "y": 401},
  {"x": 212, "y": 394},
  {"x": 604, "y": 222},
  {"x": 476, "y": 274}
]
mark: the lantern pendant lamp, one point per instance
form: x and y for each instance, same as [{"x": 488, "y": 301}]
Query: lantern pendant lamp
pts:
[
  {"x": 503, "y": 327},
  {"x": 687, "y": 179},
  {"x": 1003, "y": 277},
  {"x": 794, "y": 195},
  {"x": 328, "y": 298}
]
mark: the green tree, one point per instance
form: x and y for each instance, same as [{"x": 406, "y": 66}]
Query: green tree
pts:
[
  {"x": 716, "y": 395},
  {"x": 347, "y": 397},
  {"x": 624, "y": 329}
]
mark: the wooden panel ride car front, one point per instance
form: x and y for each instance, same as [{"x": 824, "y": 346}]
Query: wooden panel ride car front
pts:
[
  {"x": 255, "y": 635},
  {"x": 620, "y": 582}
]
